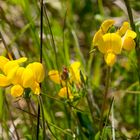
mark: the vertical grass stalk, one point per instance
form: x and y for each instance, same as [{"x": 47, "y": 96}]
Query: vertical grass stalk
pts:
[{"x": 41, "y": 46}]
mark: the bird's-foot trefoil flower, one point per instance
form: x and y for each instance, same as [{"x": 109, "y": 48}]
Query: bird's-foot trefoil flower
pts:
[
  {"x": 111, "y": 44},
  {"x": 21, "y": 77},
  {"x": 68, "y": 77}
]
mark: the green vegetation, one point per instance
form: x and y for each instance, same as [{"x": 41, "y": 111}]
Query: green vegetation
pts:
[{"x": 82, "y": 97}]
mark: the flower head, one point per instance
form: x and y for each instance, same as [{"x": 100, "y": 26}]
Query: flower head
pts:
[
  {"x": 21, "y": 77},
  {"x": 111, "y": 44},
  {"x": 9, "y": 69},
  {"x": 70, "y": 75},
  {"x": 33, "y": 75}
]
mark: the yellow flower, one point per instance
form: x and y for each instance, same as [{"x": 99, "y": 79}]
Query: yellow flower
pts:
[
  {"x": 111, "y": 44},
  {"x": 75, "y": 72},
  {"x": 33, "y": 75},
  {"x": 65, "y": 93},
  {"x": 128, "y": 40},
  {"x": 70, "y": 75},
  {"x": 17, "y": 90},
  {"x": 54, "y": 76},
  {"x": 9, "y": 69},
  {"x": 128, "y": 36}
]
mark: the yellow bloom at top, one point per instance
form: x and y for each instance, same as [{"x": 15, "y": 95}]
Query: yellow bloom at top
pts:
[{"x": 111, "y": 44}]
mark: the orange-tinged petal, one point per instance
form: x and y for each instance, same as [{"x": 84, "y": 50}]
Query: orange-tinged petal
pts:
[
  {"x": 110, "y": 59},
  {"x": 65, "y": 93},
  {"x": 128, "y": 44},
  {"x": 97, "y": 39},
  {"x": 17, "y": 79},
  {"x": 123, "y": 28},
  {"x": 28, "y": 78},
  {"x": 38, "y": 71},
  {"x": 4, "y": 81},
  {"x": 112, "y": 43},
  {"x": 106, "y": 25},
  {"x": 131, "y": 34},
  {"x": 3, "y": 61},
  {"x": 54, "y": 76},
  {"x": 36, "y": 88},
  {"x": 17, "y": 91}
]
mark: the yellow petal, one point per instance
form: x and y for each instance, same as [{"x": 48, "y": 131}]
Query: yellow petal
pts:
[
  {"x": 17, "y": 91},
  {"x": 65, "y": 93},
  {"x": 131, "y": 34},
  {"x": 97, "y": 39},
  {"x": 128, "y": 44},
  {"x": 106, "y": 25},
  {"x": 38, "y": 71},
  {"x": 28, "y": 78},
  {"x": 54, "y": 76},
  {"x": 123, "y": 29},
  {"x": 110, "y": 59},
  {"x": 9, "y": 66},
  {"x": 75, "y": 72},
  {"x": 112, "y": 43},
  {"x": 3, "y": 61},
  {"x": 4, "y": 81},
  {"x": 17, "y": 79},
  {"x": 21, "y": 60},
  {"x": 36, "y": 88}
]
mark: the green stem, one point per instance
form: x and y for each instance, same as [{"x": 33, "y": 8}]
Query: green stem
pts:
[
  {"x": 9, "y": 51},
  {"x": 100, "y": 4},
  {"x": 105, "y": 97},
  {"x": 54, "y": 46},
  {"x": 41, "y": 46}
]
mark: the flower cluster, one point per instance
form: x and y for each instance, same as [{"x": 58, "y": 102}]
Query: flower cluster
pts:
[
  {"x": 21, "y": 77},
  {"x": 66, "y": 79},
  {"x": 111, "y": 44}
]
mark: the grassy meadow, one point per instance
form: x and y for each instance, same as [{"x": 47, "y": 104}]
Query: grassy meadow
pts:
[{"x": 70, "y": 69}]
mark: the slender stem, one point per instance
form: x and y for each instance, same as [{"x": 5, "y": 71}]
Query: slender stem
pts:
[
  {"x": 105, "y": 97},
  {"x": 53, "y": 42},
  {"x": 9, "y": 52},
  {"x": 130, "y": 14},
  {"x": 41, "y": 46},
  {"x": 43, "y": 119},
  {"x": 113, "y": 125},
  {"x": 100, "y": 5},
  {"x": 111, "y": 105},
  {"x": 90, "y": 101},
  {"x": 41, "y": 31},
  {"x": 38, "y": 122}
]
